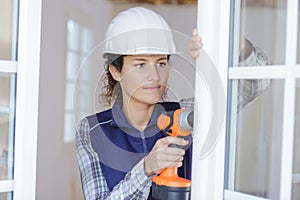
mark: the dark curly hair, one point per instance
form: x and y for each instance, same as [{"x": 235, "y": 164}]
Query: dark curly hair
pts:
[{"x": 111, "y": 87}]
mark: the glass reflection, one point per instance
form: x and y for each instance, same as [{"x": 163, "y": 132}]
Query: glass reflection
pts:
[
  {"x": 8, "y": 27},
  {"x": 7, "y": 92},
  {"x": 257, "y": 140},
  {"x": 4, "y": 127},
  {"x": 4, "y": 91},
  {"x": 6, "y": 196},
  {"x": 296, "y": 165},
  {"x": 262, "y": 23}
]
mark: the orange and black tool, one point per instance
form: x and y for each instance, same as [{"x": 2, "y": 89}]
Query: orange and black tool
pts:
[{"x": 168, "y": 185}]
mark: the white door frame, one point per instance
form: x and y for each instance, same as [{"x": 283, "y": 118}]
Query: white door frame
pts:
[
  {"x": 213, "y": 26},
  {"x": 27, "y": 99}
]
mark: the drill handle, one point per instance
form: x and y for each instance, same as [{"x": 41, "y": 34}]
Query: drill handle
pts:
[{"x": 184, "y": 147}]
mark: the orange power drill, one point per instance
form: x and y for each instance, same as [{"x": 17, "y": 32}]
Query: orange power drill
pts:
[{"x": 168, "y": 185}]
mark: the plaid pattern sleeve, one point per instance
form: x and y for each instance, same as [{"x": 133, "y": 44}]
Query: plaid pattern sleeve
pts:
[
  {"x": 249, "y": 89},
  {"x": 135, "y": 185}
]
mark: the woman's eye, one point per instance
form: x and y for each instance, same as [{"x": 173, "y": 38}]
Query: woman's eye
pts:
[
  {"x": 162, "y": 64},
  {"x": 140, "y": 65}
]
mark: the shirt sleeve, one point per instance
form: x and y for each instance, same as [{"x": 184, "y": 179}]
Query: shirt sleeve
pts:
[
  {"x": 249, "y": 89},
  {"x": 135, "y": 185}
]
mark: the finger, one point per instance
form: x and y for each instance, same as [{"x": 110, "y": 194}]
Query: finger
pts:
[
  {"x": 195, "y": 32},
  {"x": 169, "y": 157},
  {"x": 176, "y": 140},
  {"x": 197, "y": 39},
  {"x": 163, "y": 142},
  {"x": 174, "y": 151},
  {"x": 196, "y": 45},
  {"x": 165, "y": 164},
  {"x": 195, "y": 54},
  {"x": 172, "y": 154},
  {"x": 175, "y": 164}
]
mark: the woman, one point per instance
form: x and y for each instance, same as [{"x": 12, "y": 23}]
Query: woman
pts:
[{"x": 120, "y": 149}]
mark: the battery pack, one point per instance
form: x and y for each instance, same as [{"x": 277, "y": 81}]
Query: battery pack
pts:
[{"x": 161, "y": 192}]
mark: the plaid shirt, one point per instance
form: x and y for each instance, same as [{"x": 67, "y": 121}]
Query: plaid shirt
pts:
[
  {"x": 136, "y": 185},
  {"x": 249, "y": 89}
]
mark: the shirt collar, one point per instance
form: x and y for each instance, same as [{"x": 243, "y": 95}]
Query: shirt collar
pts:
[{"x": 119, "y": 119}]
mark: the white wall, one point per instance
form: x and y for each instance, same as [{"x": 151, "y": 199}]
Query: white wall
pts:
[{"x": 57, "y": 168}]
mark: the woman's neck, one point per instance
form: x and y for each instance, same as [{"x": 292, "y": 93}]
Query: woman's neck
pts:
[{"x": 137, "y": 113}]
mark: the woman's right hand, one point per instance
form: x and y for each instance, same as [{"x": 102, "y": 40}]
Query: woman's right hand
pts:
[{"x": 162, "y": 156}]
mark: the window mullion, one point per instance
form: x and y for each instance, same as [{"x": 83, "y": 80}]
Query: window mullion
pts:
[
  {"x": 232, "y": 195},
  {"x": 287, "y": 139},
  {"x": 289, "y": 102},
  {"x": 6, "y": 186},
  {"x": 8, "y": 66},
  {"x": 258, "y": 72},
  {"x": 232, "y": 137},
  {"x": 291, "y": 33}
]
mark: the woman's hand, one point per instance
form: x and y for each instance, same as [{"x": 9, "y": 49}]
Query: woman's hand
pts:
[
  {"x": 162, "y": 156},
  {"x": 196, "y": 44},
  {"x": 245, "y": 48}
]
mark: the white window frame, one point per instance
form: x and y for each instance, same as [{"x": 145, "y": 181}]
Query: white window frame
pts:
[
  {"x": 208, "y": 173},
  {"x": 213, "y": 27},
  {"x": 27, "y": 72},
  {"x": 9, "y": 68},
  {"x": 26, "y": 127}
]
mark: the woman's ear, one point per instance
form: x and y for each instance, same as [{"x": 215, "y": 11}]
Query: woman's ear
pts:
[{"x": 114, "y": 72}]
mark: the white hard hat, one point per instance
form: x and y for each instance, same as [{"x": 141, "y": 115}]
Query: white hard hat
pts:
[{"x": 139, "y": 31}]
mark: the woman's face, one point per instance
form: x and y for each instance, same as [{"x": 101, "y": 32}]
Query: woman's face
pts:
[{"x": 143, "y": 78}]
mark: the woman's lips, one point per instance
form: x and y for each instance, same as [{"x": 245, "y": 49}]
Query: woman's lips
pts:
[{"x": 152, "y": 88}]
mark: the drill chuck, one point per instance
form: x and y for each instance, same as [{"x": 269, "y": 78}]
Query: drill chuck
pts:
[{"x": 186, "y": 120}]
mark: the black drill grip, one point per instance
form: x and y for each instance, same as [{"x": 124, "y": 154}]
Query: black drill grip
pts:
[{"x": 184, "y": 147}]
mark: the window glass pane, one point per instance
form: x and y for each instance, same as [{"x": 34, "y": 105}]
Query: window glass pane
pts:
[
  {"x": 4, "y": 91},
  {"x": 262, "y": 23},
  {"x": 296, "y": 167},
  {"x": 87, "y": 41},
  {"x": 69, "y": 135},
  {"x": 80, "y": 42},
  {"x": 73, "y": 35},
  {"x": 72, "y": 65},
  {"x": 69, "y": 96},
  {"x": 255, "y": 137},
  {"x": 6, "y": 196},
  {"x": 8, "y": 23},
  {"x": 4, "y": 137},
  {"x": 7, "y": 98}
]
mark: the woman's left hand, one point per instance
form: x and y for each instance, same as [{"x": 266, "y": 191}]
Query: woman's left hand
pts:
[{"x": 196, "y": 44}]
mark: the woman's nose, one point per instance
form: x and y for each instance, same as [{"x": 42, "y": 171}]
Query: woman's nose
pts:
[{"x": 152, "y": 73}]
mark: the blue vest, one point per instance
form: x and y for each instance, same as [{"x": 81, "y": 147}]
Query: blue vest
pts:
[{"x": 120, "y": 146}]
